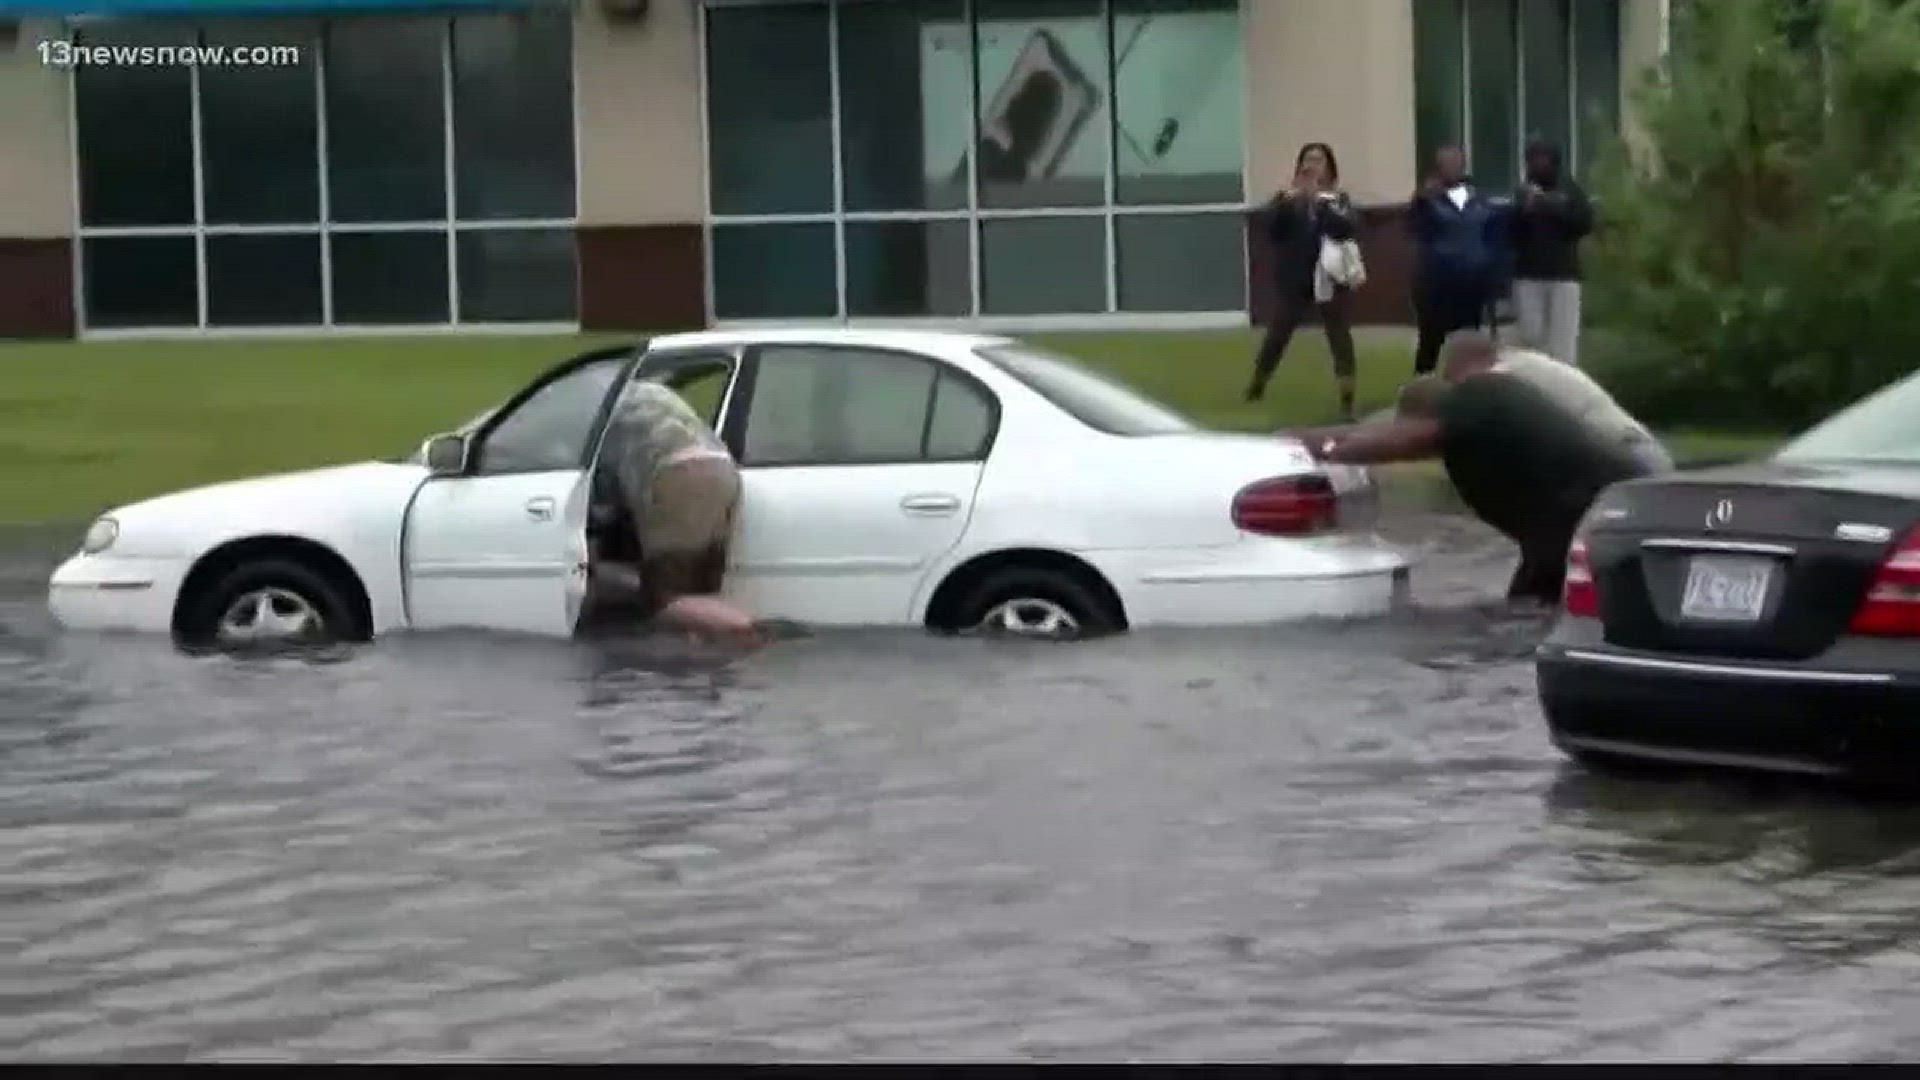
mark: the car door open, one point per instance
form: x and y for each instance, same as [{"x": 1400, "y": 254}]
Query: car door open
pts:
[{"x": 502, "y": 545}]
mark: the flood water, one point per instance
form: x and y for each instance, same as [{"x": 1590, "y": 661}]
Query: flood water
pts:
[{"x": 1342, "y": 843}]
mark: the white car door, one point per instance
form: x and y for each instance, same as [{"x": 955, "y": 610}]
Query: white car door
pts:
[
  {"x": 503, "y": 545},
  {"x": 858, "y": 469}
]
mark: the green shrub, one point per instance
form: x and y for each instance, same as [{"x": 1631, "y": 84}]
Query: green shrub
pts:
[{"x": 1759, "y": 260}]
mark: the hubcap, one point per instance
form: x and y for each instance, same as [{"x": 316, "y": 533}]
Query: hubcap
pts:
[
  {"x": 269, "y": 615},
  {"x": 1031, "y": 617}
]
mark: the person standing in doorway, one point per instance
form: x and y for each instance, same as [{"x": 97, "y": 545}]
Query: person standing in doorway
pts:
[
  {"x": 1460, "y": 271},
  {"x": 1299, "y": 220},
  {"x": 1552, "y": 217}
]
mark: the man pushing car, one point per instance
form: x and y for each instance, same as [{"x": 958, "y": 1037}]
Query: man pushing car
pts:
[{"x": 1527, "y": 455}]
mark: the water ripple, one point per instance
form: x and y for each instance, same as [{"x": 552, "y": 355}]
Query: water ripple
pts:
[{"x": 1332, "y": 843}]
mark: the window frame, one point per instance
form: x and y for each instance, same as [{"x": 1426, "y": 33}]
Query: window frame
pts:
[
  {"x": 449, "y": 227},
  {"x": 1578, "y": 158},
  {"x": 975, "y": 213},
  {"x": 663, "y": 365},
  {"x": 628, "y": 357},
  {"x": 747, "y": 386}
]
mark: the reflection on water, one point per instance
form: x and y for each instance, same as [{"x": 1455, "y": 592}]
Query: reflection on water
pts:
[{"x": 1344, "y": 842}]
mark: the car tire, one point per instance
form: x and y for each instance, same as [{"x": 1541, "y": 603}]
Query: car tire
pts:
[
  {"x": 1036, "y": 603},
  {"x": 288, "y": 593}
]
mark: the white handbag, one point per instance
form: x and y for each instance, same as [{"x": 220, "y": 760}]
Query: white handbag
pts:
[{"x": 1340, "y": 264}]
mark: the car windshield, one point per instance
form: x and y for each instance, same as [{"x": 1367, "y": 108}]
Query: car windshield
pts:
[
  {"x": 1884, "y": 427},
  {"x": 1094, "y": 400}
]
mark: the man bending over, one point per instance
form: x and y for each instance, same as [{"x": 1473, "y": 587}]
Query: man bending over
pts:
[
  {"x": 1521, "y": 459},
  {"x": 682, "y": 493}
]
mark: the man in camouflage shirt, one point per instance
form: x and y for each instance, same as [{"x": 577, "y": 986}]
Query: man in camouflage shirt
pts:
[{"x": 682, "y": 490}]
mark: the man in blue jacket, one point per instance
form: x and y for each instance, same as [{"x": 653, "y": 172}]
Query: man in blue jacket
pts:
[{"x": 1462, "y": 255}]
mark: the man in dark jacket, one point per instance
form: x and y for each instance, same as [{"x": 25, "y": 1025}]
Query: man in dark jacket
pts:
[
  {"x": 1461, "y": 268},
  {"x": 1552, "y": 217}
]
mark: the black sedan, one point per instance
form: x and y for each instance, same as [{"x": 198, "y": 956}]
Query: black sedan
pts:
[{"x": 1764, "y": 615}]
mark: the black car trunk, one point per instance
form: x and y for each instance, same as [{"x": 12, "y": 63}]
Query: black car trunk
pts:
[{"x": 1739, "y": 568}]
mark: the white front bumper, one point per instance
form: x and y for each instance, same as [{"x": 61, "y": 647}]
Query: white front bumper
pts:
[
  {"x": 111, "y": 592},
  {"x": 1259, "y": 581}
]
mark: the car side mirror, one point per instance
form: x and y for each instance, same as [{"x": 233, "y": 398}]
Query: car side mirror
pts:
[{"x": 445, "y": 455}]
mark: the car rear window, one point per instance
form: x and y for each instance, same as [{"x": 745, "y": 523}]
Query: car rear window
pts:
[
  {"x": 1882, "y": 427},
  {"x": 1094, "y": 400}
]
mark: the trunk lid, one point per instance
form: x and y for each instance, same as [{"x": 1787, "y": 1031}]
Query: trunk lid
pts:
[{"x": 1762, "y": 561}]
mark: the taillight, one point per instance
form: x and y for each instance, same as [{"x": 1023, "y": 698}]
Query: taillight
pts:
[
  {"x": 1287, "y": 506},
  {"x": 1580, "y": 597},
  {"x": 1892, "y": 606}
]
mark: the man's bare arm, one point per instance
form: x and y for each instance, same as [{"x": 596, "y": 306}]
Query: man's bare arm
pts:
[{"x": 1385, "y": 443}]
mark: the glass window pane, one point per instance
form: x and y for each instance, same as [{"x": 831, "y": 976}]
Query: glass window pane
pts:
[
  {"x": 769, "y": 110},
  {"x": 1548, "y": 101},
  {"x": 906, "y": 83},
  {"x": 548, "y": 432},
  {"x": 258, "y": 133},
  {"x": 389, "y": 278},
  {"x": 1042, "y": 101},
  {"x": 1182, "y": 262},
  {"x": 1043, "y": 266},
  {"x": 909, "y": 268},
  {"x": 1883, "y": 427},
  {"x": 517, "y": 275},
  {"x": 386, "y": 121},
  {"x": 1439, "y": 78},
  {"x": 139, "y": 281},
  {"x": 773, "y": 272},
  {"x": 815, "y": 405},
  {"x": 513, "y": 115},
  {"x": 1180, "y": 91},
  {"x": 1596, "y": 93},
  {"x": 263, "y": 280},
  {"x": 1494, "y": 80},
  {"x": 135, "y": 126},
  {"x": 1097, "y": 401},
  {"x": 703, "y": 384},
  {"x": 962, "y": 421}
]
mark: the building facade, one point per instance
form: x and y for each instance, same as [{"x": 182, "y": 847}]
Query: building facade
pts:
[{"x": 1028, "y": 163}]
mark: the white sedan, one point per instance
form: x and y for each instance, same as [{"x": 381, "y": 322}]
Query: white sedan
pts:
[{"x": 891, "y": 478}]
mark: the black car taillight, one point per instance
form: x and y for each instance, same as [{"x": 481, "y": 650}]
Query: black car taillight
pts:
[{"x": 1892, "y": 606}]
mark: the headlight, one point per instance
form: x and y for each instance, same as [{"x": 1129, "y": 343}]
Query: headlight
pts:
[{"x": 100, "y": 536}]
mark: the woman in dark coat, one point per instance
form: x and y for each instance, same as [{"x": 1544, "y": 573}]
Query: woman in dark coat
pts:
[{"x": 1297, "y": 220}]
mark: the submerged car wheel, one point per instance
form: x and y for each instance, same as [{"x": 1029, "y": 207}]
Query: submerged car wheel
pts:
[
  {"x": 267, "y": 603},
  {"x": 1045, "y": 604}
]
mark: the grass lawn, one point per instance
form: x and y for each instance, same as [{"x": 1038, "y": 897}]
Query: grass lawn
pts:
[{"x": 85, "y": 426}]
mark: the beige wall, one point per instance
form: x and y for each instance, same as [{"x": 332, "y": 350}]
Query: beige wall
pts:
[
  {"x": 36, "y": 167},
  {"x": 1643, "y": 42},
  {"x": 642, "y": 154},
  {"x": 1334, "y": 71}
]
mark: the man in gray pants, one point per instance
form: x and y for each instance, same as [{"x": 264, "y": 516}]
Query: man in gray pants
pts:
[{"x": 1551, "y": 216}]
